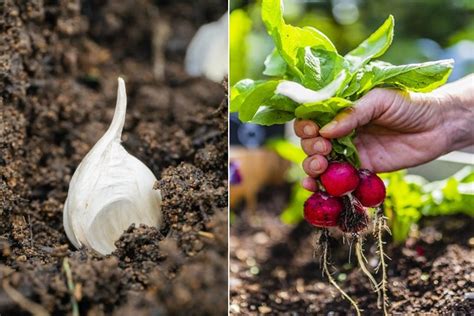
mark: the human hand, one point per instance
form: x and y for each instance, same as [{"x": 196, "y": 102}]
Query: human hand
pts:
[{"x": 395, "y": 129}]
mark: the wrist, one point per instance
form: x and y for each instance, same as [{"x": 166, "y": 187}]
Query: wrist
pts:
[{"x": 457, "y": 107}]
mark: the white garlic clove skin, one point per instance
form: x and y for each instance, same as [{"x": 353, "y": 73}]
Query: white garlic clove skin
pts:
[{"x": 110, "y": 190}]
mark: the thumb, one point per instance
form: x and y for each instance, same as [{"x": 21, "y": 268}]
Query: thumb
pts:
[{"x": 368, "y": 108}]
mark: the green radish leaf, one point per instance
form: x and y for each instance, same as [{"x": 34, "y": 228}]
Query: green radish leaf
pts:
[
  {"x": 318, "y": 113},
  {"x": 322, "y": 112},
  {"x": 321, "y": 67},
  {"x": 242, "y": 87},
  {"x": 240, "y": 91},
  {"x": 311, "y": 66},
  {"x": 422, "y": 77},
  {"x": 345, "y": 146},
  {"x": 331, "y": 65},
  {"x": 275, "y": 66},
  {"x": 268, "y": 116},
  {"x": 287, "y": 38},
  {"x": 254, "y": 98},
  {"x": 359, "y": 82},
  {"x": 374, "y": 46},
  {"x": 282, "y": 103}
]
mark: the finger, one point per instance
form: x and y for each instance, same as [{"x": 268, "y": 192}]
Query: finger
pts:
[
  {"x": 369, "y": 107},
  {"x": 315, "y": 165},
  {"x": 306, "y": 128},
  {"x": 309, "y": 184},
  {"x": 316, "y": 145}
]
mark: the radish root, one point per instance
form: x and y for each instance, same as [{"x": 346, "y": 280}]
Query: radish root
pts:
[
  {"x": 380, "y": 227},
  {"x": 362, "y": 261},
  {"x": 324, "y": 243}
]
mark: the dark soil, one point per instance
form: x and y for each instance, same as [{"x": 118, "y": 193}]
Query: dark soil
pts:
[
  {"x": 274, "y": 269},
  {"x": 59, "y": 63}
]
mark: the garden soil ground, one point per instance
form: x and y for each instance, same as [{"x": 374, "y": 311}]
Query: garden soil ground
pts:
[
  {"x": 274, "y": 270},
  {"x": 59, "y": 63}
]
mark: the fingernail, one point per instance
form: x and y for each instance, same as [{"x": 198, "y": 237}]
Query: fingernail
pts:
[
  {"x": 319, "y": 146},
  {"x": 309, "y": 130},
  {"x": 314, "y": 165},
  {"x": 328, "y": 127}
]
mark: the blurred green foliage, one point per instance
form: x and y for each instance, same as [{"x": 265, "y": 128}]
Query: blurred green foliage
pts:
[
  {"x": 293, "y": 213},
  {"x": 442, "y": 23},
  {"x": 410, "y": 197},
  {"x": 238, "y": 46}
]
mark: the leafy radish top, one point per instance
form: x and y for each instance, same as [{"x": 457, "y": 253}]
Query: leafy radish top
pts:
[{"x": 309, "y": 79}]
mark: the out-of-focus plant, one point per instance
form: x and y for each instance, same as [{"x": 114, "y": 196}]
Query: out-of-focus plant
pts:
[
  {"x": 403, "y": 203},
  {"x": 241, "y": 26},
  {"x": 451, "y": 196},
  {"x": 293, "y": 213},
  {"x": 409, "y": 197}
]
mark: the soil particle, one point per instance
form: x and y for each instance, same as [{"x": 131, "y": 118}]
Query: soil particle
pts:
[
  {"x": 140, "y": 245},
  {"x": 59, "y": 62},
  {"x": 190, "y": 196},
  {"x": 101, "y": 281}
]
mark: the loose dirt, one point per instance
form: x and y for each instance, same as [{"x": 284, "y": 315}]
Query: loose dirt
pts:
[
  {"x": 59, "y": 63},
  {"x": 274, "y": 269}
]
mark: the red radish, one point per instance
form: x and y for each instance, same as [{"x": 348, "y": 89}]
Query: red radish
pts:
[
  {"x": 371, "y": 189},
  {"x": 322, "y": 210},
  {"x": 354, "y": 218},
  {"x": 340, "y": 178}
]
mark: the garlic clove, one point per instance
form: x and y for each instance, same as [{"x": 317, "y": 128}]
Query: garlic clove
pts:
[
  {"x": 207, "y": 54},
  {"x": 110, "y": 190}
]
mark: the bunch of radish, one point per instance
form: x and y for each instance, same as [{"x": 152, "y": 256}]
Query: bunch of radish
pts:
[
  {"x": 348, "y": 192},
  {"x": 344, "y": 200}
]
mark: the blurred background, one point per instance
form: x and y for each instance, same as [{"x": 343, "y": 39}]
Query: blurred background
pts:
[{"x": 430, "y": 208}]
